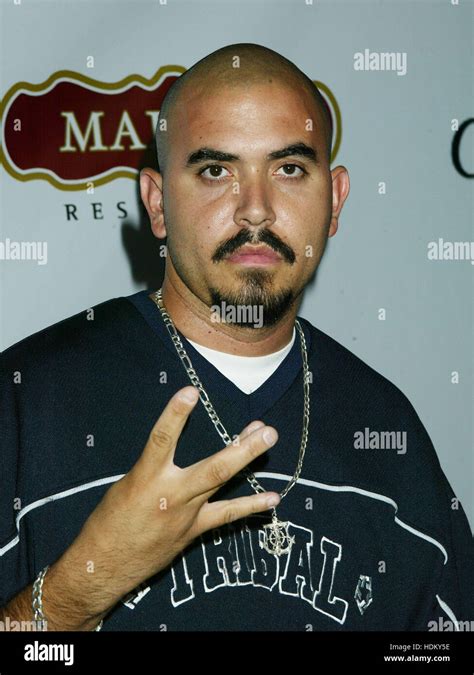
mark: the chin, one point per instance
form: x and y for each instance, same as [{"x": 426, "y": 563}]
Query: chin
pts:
[{"x": 251, "y": 304}]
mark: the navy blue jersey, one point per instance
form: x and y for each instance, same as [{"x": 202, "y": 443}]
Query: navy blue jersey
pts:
[{"x": 376, "y": 538}]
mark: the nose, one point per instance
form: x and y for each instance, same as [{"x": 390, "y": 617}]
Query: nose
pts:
[{"x": 254, "y": 207}]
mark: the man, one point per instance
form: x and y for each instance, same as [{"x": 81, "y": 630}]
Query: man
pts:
[{"x": 132, "y": 529}]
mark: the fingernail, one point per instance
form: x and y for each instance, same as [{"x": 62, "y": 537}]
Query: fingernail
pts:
[
  {"x": 273, "y": 500},
  {"x": 269, "y": 436},
  {"x": 254, "y": 426},
  {"x": 190, "y": 396}
]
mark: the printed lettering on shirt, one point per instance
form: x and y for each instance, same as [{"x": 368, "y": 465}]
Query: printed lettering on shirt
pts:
[{"x": 234, "y": 556}]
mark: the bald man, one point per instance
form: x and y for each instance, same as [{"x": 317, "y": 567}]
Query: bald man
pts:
[{"x": 200, "y": 457}]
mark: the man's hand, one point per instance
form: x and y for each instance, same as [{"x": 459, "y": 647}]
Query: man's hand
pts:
[{"x": 157, "y": 509}]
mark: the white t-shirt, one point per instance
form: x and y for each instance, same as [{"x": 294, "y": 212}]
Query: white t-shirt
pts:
[{"x": 248, "y": 373}]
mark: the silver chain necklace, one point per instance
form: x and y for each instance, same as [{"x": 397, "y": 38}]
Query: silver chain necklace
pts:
[{"x": 276, "y": 538}]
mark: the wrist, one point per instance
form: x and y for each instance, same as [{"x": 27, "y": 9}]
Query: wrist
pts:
[{"x": 58, "y": 606}]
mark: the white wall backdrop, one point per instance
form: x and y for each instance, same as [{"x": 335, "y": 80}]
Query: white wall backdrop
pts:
[{"x": 397, "y": 130}]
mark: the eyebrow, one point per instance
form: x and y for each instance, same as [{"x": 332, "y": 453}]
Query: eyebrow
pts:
[{"x": 299, "y": 149}]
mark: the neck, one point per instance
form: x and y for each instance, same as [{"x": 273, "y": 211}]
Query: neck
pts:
[{"x": 193, "y": 319}]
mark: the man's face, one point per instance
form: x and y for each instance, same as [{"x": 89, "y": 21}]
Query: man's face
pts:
[{"x": 214, "y": 207}]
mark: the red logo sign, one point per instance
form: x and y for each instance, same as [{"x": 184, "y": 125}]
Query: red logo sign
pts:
[{"x": 74, "y": 131}]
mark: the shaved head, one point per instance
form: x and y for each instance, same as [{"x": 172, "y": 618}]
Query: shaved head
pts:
[{"x": 239, "y": 65}]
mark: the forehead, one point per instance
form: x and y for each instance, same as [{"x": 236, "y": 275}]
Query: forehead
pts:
[{"x": 258, "y": 114}]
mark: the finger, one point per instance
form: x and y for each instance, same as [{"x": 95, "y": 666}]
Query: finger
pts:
[
  {"x": 164, "y": 435},
  {"x": 208, "y": 475},
  {"x": 228, "y": 510},
  {"x": 246, "y": 431},
  {"x": 250, "y": 428}
]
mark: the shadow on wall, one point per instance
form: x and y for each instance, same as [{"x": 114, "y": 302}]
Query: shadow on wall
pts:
[{"x": 141, "y": 246}]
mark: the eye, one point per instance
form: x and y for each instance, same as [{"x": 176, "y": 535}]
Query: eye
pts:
[
  {"x": 214, "y": 173},
  {"x": 292, "y": 170}
]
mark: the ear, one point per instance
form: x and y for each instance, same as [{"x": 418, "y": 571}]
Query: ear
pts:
[
  {"x": 151, "y": 190},
  {"x": 340, "y": 190}
]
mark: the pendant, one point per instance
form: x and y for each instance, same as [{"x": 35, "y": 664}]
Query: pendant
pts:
[{"x": 276, "y": 538}]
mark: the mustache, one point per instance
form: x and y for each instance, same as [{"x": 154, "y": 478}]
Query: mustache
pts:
[{"x": 245, "y": 237}]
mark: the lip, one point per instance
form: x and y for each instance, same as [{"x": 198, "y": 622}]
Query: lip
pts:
[{"x": 255, "y": 255}]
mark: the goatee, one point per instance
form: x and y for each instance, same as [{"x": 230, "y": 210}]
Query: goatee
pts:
[{"x": 255, "y": 295}]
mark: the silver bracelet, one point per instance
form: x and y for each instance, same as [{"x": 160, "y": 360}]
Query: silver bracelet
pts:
[{"x": 37, "y": 601}]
